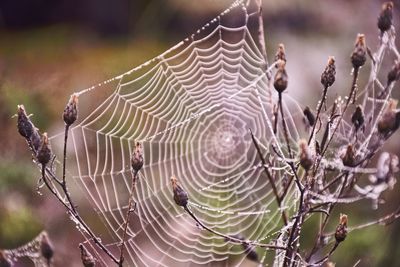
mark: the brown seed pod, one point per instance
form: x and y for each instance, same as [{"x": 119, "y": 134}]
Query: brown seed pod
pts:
[
  {"x": 359, "y": 55},
  {"x": 70, "y": 113},
  {"x": 180, "y": 196},
  {"x": 44, "y": 152},
  {"x": 358, "y": 118},
  {"x": 328, "y": 76},
  {"x": 24, "y": 124},
  {"x": 348, "y": 158},
  {"x": 281, "y": 77},
  {"x": 137, "y": 158},
  {"x": 341, "y": 229},
  {"x": 385, "y": 17},
  {"x": 46, "y": 248},
  {"x": 388, "y": 121},
  {"x": 87, "y": 259},
  {"x": 280, "y": 54},
  {"x": 305, "y": 155}
]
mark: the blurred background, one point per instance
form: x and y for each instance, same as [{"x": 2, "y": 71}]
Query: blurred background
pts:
[{"x": 51, "y": 48}]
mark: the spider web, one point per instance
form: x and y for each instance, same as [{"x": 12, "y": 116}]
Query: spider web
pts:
[{"x": 191, "y": 108}]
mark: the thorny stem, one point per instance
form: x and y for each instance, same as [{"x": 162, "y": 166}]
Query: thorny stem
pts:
[
  {"x": 127, "y": 217},
  {"x": 270, "y": 178},
  {"x": 232, "y": 238}
]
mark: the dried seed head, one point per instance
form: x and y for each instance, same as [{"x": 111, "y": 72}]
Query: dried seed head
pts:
[
  {"x": 280, "y": 54},
  {"x": 46, "y": 249},
  {"x": 389, "y": 121},
  {"x": 180, "y": 196},
  {"x": 70, "y": 113},
  {"x": 341, "y": 229},
  {"x": 87, "y": 258},
  {"x": 359, "y": 55},
  {"x": 358, "y": 118},
  {"x": 305, "y": 155},
  {"x": 394, "y": 73},
  {"x": 44, "y": 152},
  {"x": 348, "y": 158},
  {"x": 385, "y": 17},
  {"x": 328, "y": 76},
  {"x": 309, "y": 116},
  {"x": 4, "y": 261},
  {"x": 24, "y": 124},
  {"x": 281, "y": 77},
  {"x": 137, "y": 158}
]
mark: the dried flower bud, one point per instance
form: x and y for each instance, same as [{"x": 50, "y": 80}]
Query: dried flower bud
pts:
[
  {"x": 180, "y": 196},
  {"x": 358, "y": 118},
  {"x": 359, "y": 55},
  {"x": 46, "y": 249},
  {"x": 385, "y": 17},
  {"x": 71, "y": 110},
  {"x": 389, "y": 120},
  {"x": 305, "y": 155},
  {"x": 137, "y": 158},
  {"x": 4, "y": 261},
  {"x": 394, "y": 73},
  {"x": 24, "y": 124},
  {"x": 280, "y": 54},
  {"x": 281, "y": 77},
  {"x": 44, "y": 152},
  {"x": 309, "y": 116},
  {"x": 87, "y": 258},
  {"x": 341, "y": 229},
  {"x": 328, "y": 76},
  {"x": 348, "y": 158}
]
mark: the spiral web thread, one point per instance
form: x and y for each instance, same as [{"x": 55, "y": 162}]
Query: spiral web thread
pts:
[{"x": 191, "y": 108}]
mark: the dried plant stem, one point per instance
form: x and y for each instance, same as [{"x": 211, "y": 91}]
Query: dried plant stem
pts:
[
  {"x": 318, "y": 114},
  {"x": 270, "y": 178},
  {"x": 232, "y": 238},
  {"x": 127, "y": 217},
  {"x": 284, "y": 126}
]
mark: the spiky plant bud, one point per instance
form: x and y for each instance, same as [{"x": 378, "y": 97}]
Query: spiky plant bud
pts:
[
  {"x": 394, "y": 73},
  {"x": 358, "y": 118},
  {"x": 87, "y": 258},
  {"x": 389, "y": 120},
  {"x": 44, "y": 152},
  {"x": 70, "y": 113},
  {"x": 280, "y": 54},
  {"x": 137, "y": 158},
  {"x": 385, "y": 17},
  {"x": 281, "y": 77},
  {"x": 341, "y": 229},
  {"x": 348, "y": 158},
  {"x": 180, "y": 196},
  {"x": 24, "y": 124},
  {"x": 46, "y": 248},
  {"x": 328, "y": 76},
  {"x": 305, "y": 155},
  {"x": 359, "y": 55},
  {"x": 309, "y": 116},
  {"x": 4, "y": 262}
]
